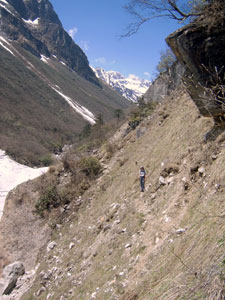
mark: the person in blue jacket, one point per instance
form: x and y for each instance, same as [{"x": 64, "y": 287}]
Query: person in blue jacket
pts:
[{"x": 142, "y": 174}]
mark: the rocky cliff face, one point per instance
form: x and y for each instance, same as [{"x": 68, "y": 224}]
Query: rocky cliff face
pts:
[
  {"x": 199, "y": 46},
  {"x": 35, "y": 25},
  {"x": 165, "y": 83}
]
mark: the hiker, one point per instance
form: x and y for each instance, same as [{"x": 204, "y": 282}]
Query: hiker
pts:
[{"x": 142, "y": 178}]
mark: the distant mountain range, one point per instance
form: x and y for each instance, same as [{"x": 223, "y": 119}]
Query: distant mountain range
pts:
[
  {"x": 131, "y": 87},
  {"x": 48, "y": 92}
]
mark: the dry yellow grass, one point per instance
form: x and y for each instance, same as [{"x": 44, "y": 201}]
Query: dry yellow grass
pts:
[{"x": 126, "y": 242}]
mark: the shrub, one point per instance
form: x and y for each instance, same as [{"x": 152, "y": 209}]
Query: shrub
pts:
[
  {"x": 110, "y": 149},
  {"x": 46, "y": 160},
  {"x": 167, "y": 58},
  {"x": 90, "y": 166},
  {"x": 49, "y": 198},
  {"x": 70, "y": 162},
  {"x": 140, "y": 112}
]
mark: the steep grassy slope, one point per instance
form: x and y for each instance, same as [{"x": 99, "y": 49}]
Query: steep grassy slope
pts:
[
  {"x": 35, "y": 119},
  {"x": 164, "y": 244}
]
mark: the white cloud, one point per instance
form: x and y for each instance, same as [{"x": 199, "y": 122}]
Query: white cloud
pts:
[
  {"x": 147, "y": 74},
  {"x": 132, "y": 76},
  {"x": 72, "y": 32},
  {"x": 101, "y": 60},
  {"x": 84, "y": 45}
]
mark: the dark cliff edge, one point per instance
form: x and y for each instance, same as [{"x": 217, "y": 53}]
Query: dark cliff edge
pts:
[{"x": 199, "y": 46}]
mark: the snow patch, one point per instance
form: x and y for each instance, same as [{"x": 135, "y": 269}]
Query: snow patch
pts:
[
  {"x": 33, "y": 23},
  {"x": 2, "y": 5},
  {"x": 3, "y": 42},
  {"x": 13, "y": 174},
  {"x": 83, "y": 111},
  {"x": 44, "y": 59}
]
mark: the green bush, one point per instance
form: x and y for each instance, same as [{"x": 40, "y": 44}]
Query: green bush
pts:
[
  {"x": 46, "y": 160},
  {"x": 141, "y": 111},
  {"x": 49, "y": 198},
  {"x": 90, "y": 166}
]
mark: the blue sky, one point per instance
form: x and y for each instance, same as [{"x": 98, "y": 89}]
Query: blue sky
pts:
[{"x": 96, "y": 26}]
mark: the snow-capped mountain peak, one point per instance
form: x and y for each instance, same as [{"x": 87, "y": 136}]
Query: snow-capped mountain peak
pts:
[{"x": 131, "y": 87}]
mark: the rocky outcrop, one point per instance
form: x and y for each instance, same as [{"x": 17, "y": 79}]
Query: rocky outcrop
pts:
[
  {"x": 165, "y": 83},
  {"x": 199, "y": 46},
  {"x": 36, "y": 26}
]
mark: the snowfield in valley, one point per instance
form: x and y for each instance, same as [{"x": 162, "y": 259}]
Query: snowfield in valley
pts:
[{"x": 13, "y": 174}]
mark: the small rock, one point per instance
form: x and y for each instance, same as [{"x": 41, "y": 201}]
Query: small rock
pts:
[
  {"x": 93, "y": 295},
  {"x": 47, "y": 275},
  {"x": 201, "y": 170},
  {"x": 39, "y": 292},
  {"x": 51, "y": 246},
  {"x": 162, "y": 181},
  {"x": 180, "y": 230},
  {"x": 153, "y": 196},
  {"x": 95, "y": 253},
  {"x": 106, "y": 227},
  {"x": 71, "y": 245},
  {"x": 128, "y": 245},
  {"x": 117, "y": 222},
  {"x": 66, "y": 207},
  {"x": 184, "y": 179}
]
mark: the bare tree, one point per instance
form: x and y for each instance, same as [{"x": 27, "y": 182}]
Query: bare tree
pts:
[
  {"x": 179, "y": 10},
  {"x": 167, "y": 58}
]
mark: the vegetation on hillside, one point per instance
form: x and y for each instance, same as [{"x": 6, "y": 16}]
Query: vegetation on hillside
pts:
[
  {"x": 93, "y": 137},
  {"x": 80, "y": 172},
  {"x": 143, "y": 110},
  {"x": 35, "y": 121},
  {"x": 166, "y": 243}
]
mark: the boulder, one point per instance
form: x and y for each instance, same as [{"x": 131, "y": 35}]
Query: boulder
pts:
[
  {"x": 199, "y": 46},
  {"x": 9, "y": 277}
]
